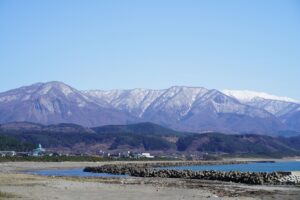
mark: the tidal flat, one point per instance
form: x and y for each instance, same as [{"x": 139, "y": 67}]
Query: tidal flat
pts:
[{"x": 16, "y": 183}]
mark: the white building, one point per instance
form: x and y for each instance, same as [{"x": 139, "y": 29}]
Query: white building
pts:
[{"x": 146, "y": 155}]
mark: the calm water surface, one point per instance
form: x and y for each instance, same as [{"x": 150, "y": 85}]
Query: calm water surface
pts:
[
  {"x": 251, "y": 167},
  {"x": 72, "y": 172}
]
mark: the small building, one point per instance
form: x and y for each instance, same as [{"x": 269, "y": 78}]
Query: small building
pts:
[{"x": 146, "y": 155}]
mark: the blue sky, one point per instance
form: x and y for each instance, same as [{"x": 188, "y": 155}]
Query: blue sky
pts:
[{"x": 111, "y": 44}]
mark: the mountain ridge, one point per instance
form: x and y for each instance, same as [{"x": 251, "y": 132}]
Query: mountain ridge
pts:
[
  {"x": 71, "y": 138},
  {"x": 183, "y": 108}
]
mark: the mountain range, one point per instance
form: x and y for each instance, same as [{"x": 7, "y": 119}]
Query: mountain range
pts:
[{"x": 194, "y": 109}]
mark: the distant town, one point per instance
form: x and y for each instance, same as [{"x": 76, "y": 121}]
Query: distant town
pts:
[{"x": 40, "y": 151}]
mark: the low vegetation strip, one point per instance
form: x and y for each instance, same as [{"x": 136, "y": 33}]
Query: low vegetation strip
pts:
[
  {"x": 141, "y": 137},
  {"x": 5, "y": 195},
  {"x": 8, "y": 143},
  {"x": 151, "y": 170},
  {"x": 74, "y": 159},
  {"x": 54, "y": 159}
]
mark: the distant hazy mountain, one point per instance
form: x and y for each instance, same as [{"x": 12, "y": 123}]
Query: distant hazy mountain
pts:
[
  {"x": 284, "y": 108},
  {"x": 190, "y": 109},
  {"x": 56, "y": 102},
  {"x": 239, "y": 144},
  {"x": 276, "y": 105},
  {"x": 194, "y": 109}
]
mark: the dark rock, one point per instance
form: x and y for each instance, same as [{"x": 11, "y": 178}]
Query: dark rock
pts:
[{"x": 151, "y": 170}]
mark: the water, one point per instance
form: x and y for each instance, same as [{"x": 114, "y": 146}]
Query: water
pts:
[
  {"x": 72, "y": 173},
  {"x": 251, "y": 167}
]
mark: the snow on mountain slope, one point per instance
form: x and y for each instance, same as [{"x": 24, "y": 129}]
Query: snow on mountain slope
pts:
[
  {"x": 246, "y": 96},
  {"x": 175, "y": 101},
  {"x": 276, "y": 105},
  {"x": 134, "y": 101},
  {"x": 183, "y": 108},
  {"x": 215, "y": 111},
  {"x": 173, "y": 105},
  {"x": 225, "y": 104},
  {"x": 137, "y": 101},
  {"x": 55, "y": 102}
]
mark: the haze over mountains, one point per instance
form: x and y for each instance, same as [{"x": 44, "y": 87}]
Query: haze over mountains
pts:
[{"x": 193, "y": 109}]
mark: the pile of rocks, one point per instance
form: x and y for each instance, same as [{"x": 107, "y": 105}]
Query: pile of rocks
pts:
[
  {"x": 137, "y": 170},
  {"x": 290, "y": 179},
  {"x": 185, "y": 163}
]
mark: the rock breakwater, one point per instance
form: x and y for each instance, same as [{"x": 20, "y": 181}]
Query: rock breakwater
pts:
[{"x": 151, "y": 170}]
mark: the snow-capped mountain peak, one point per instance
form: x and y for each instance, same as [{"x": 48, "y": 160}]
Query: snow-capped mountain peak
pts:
[
  {"x": 184, "y": 108},
  {"x": 247, "y": 96},
  {"x": 65, "y": 89}
]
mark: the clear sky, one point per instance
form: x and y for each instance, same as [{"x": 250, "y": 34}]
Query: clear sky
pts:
[{"x": 111, "y": 44}]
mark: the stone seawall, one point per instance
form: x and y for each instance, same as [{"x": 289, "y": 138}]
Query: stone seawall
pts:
[
  {"x": 183, "y": 163},
  {"x": 149, "y": 170}
]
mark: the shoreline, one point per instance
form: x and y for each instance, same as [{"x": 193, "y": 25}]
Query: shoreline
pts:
[
  {"x": 25, "y": 186},
  {"x": 159, "y": 170}
]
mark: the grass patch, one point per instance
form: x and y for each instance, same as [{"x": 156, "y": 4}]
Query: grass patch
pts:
[
  {"x": 6, "y": 195},
  {"x": 74, "y": 159}
]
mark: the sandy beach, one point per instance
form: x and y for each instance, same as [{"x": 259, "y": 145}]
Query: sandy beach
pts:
[{"x": 16, "y": 184}]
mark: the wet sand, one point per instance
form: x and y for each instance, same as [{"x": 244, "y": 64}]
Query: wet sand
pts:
[{"x": 14, "y": 184}]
